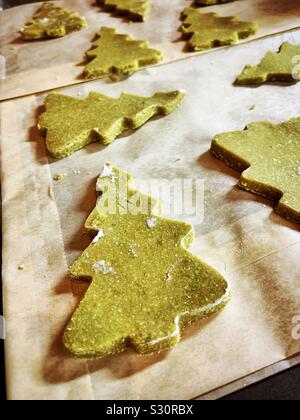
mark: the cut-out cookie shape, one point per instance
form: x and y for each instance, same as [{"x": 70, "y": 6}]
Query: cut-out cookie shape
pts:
[
  {"x": 71, "y": 123},
  {"x": 210, "y": 30},
  {"x": 283, "y": 66},
  {"x": 211, "y": 2},
  {"x": 134, "y": 9},
  {"x": 146, "y": 287},
  {"x": 268, "y": 156},
  {"x": 118, "y": 55},
  {"x": 52, "y": 21}
]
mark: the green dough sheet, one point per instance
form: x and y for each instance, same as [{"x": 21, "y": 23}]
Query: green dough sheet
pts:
[
  {"x": 70, "y": 123},
  {"x": 268, "y": 156},
  {"x": 134, "y": 9},
  {"x": 209, "y": 30},
  {"x": 52, "y": 21},
  {"x": 275, "y": 67},
  {"x": 118, "y": 55},
  {"x": 146, "y": 287},
  {"x": 211, "y": 2}
]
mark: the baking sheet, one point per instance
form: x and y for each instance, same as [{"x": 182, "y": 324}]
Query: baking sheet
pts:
[
  {"x": 251, "y": 379},
  {"x": 257, "y": 250},
  {"x": 42, "y": 65}
]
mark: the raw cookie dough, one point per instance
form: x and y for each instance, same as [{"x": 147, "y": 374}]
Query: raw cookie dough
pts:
[
  {"x": 146, "y": 287},
  {"x": 134, "y": 9},
  {"x": 52, "y": 21},
  {"x": 118, "y": 55},
  {"x": 283, "y": 66},
  {"x": 71, "y": 123},
  {"x": 268, "y": 156},
  {"x": 210, "y": 30}
]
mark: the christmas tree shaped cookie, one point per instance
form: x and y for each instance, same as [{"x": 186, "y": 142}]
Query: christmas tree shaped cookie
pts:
[
  {"x": 71, "y": 123},
  {"x": 52, "y": 21},
  {"x": 209, "y": 30},
  {"x": 268, "y": 156},
  {"x": 275, "y": 67},
  {"x": 134, "y": 9},
  {"x": 211, "y": 2},
  {"x": 118, "y": 55},
  {"x": 146, "y": 287}
]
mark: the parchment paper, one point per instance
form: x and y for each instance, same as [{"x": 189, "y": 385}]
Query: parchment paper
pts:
[
  {"x": 257, "y": 250},
  {"x": 42, "y": 65}
]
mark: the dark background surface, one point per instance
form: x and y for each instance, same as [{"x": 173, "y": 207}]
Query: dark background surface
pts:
[
  {"x": 10, "y": 3},
  {"x": 2, "y": 380},
  {"x": 284, "y": 386}
]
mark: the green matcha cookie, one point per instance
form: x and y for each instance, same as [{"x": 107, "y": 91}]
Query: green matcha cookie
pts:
[
  {"x": 211, "y": 2},
  {"x": 71, "y": 123},
  {"x": 275, "y": 67},
  {"x": 268, "y": 156},
  {"x": 118, "y": 55},
  {"x": 134, "y": 9},
  {"x": 51, "y": 21},
  {"x": 146, "y": 287},
  {"x": 210, "y": 30}
]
